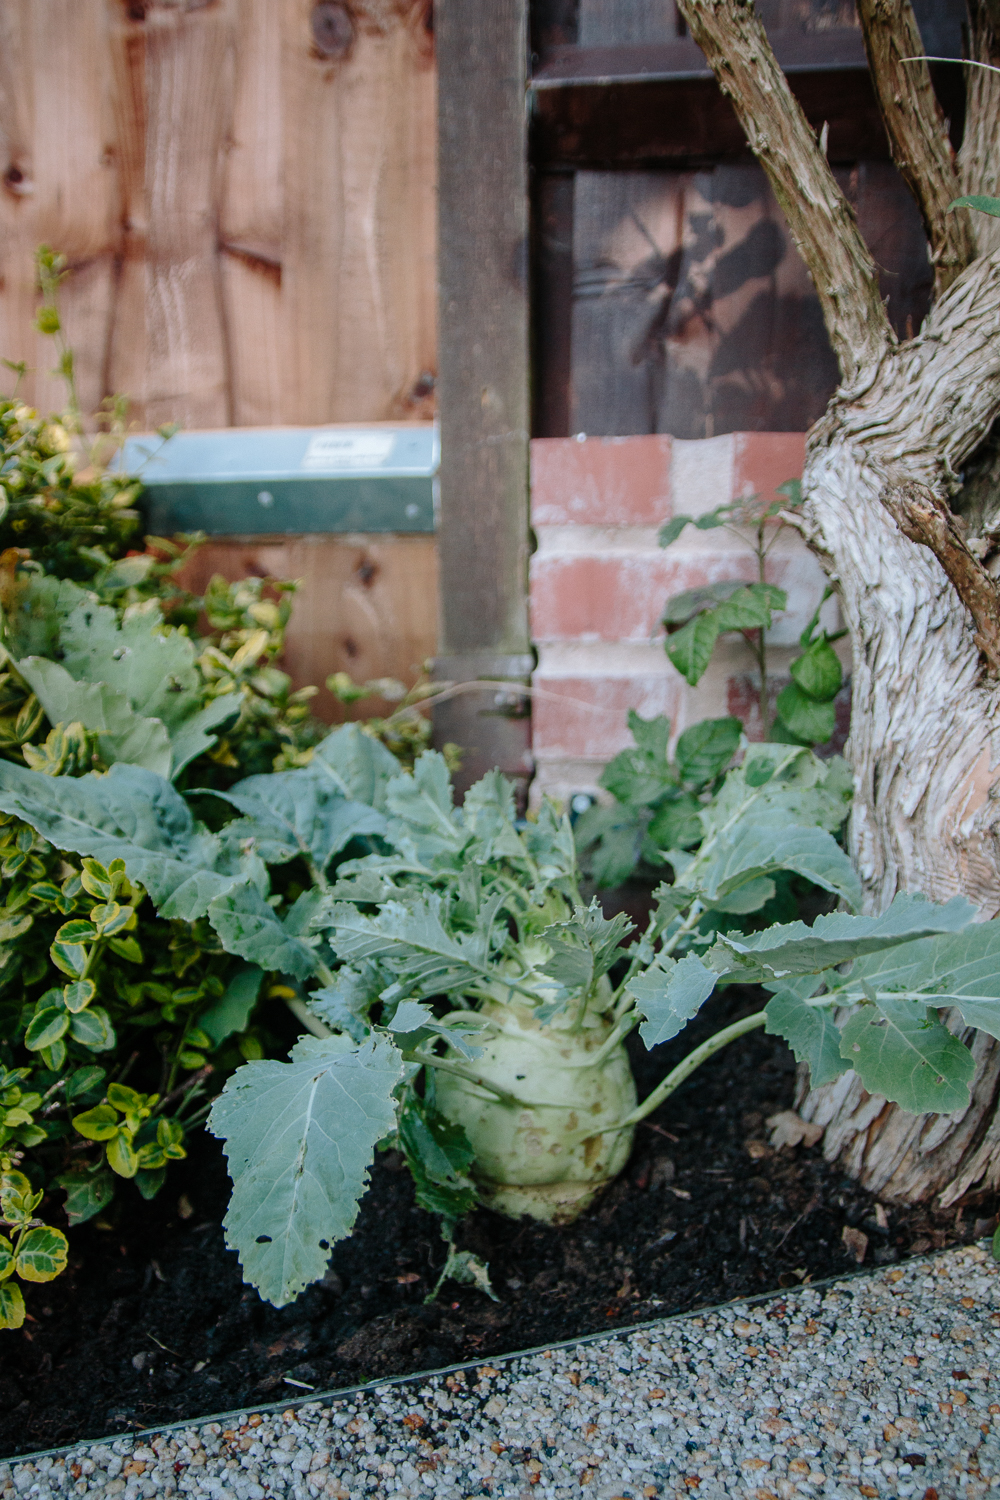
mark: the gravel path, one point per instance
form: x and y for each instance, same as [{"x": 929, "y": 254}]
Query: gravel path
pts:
[{"x": 875, "y": 1385}]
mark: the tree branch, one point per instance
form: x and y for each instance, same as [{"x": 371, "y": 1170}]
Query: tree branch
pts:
[
  {"x": 979, "y": 156},
  {"x": 916, "y": 130},
  {"x": 820, "y": 219}
]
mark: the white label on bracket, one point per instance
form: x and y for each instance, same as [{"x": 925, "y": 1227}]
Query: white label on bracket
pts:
[{"x": 348, "y": 450}]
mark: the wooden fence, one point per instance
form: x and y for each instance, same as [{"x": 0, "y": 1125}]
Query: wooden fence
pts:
[{"x": 245, "y": 191}]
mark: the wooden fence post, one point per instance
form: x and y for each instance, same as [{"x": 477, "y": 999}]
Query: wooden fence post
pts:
[{"x": 483, "y": 381}]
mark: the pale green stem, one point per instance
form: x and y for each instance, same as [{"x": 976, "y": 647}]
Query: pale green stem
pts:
[
  {"x": 302, "y": 1013},
  {"x": 693, "y": 1061}
]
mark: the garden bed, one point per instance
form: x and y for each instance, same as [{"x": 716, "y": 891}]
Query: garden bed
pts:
[{"x": 152, "y": 1322}]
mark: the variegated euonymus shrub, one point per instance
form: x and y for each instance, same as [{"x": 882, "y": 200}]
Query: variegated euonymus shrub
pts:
[{"x": 461, "y": 1001}]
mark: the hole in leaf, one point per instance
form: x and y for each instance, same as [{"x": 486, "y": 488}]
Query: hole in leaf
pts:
[{"x": 263, "y": 1239}]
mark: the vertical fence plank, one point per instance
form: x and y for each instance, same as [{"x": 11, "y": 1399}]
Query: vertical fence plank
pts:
[{"x": 484, "y": 369}]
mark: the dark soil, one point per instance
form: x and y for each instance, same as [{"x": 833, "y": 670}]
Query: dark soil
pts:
[{"x": 152, "y": 1322}]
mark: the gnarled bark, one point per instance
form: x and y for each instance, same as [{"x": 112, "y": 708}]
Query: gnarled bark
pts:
[{"x": 882, "y": 467}]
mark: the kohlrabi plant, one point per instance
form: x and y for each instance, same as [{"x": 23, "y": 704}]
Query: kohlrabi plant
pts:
[{"x": 465, "y": 1005}]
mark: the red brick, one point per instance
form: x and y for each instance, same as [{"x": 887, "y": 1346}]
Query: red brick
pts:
[
  {"x": 616, "y": 481},
  {"x": 763, "y": 460},
  {"x": 619, "y": 597},
  {"x": 587, "y": 716}
]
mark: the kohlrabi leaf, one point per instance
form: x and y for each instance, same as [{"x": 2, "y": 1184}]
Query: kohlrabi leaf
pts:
[
  {"x": 129, "y": 814},
  {"x": 550, "y": 843},
  {"x": 586, "y": 946},
  {"x": 488, "y": 813},
  {"x": 299, "y": 1139},
  {"x": 292, "y": 813},
  {"x": 247, "y": 925},
  {"x": 794, "y": 948},
  {"x": 345, "y": 1003},
  {"x": 781, "y": 783},
  {"x": 191, "y": 737},
  {"x": 609, "y": 840},
  {"x": 901, "y": 1050},
  {"x": 231, "y": 1012},
  {"x": 422, "y": 814},
  {"x": 411, "y": 943},
  {"x": 151, "y": 663},
  {"x": 754, "y": 848},
  {"x": 122, "y": 733},
  {"x": 961, "y": 970},
  {"x": 668, "y": 994},
  {"x": 357, "y": 764},
  {"x": 439, "y": 1156},
  {"x": 811, "y": 1033}
]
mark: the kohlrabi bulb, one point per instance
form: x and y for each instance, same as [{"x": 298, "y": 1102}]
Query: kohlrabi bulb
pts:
[{"x": 551, "y": 1155}]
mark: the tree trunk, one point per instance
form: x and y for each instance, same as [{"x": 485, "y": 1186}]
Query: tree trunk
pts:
[{"x": 925, "y": 727}]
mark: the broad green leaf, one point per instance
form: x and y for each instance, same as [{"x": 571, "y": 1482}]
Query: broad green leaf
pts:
[
  {"x": 745, "y": 895},
  {"x": 42, "y": 1254},
  {"x": 46, "y": 1027},
  {"x": 297, "y": 813},
  {"x": 122, "y": 734},
  {"x": 248, "y": 926},
  {"x": 758, "y": 848},
  {"x": 77, "y": 997},
  {"x": 488, "y": 813},
  {"x": 681, "y": 607},
  {"x": 12, "y": 1309},
  {"x": 71, "y": 958},
  {"x": 794, "y": 948},
  {"x": 16, "y": 1198},
  {"x": 705, "y": 750},
  {"x": 807, "y": 719},
  {"x": 818, "y": 671},
  {"x": 652, "y": 736},
  {"x": 978, "y": 201},
  {"x": 150, "y": 1180},
  {"x": 232, "y": 1011},
  {"x": 92, "y": 1028},
  {"x": 359, "y": 765},
  {"x": 123, "y": 1159},
  {"x": 810, "y": 1032},
  {"x": 299, "y": 1139},
  {"x": 961, "y": 969},
  {"x": 439, "y": 1156},
  {"x": 750, "y": 608},
  {"x": 6, "y": 1259},
  {"x": 588, "y": 945},
  {"x": 900, "y": 1050},
  {"x": 690, "y": 648},
  {"x": 192, "y": 736},
  {"x": 639, "y": 776},
  {"x": 668, "y": 994},
  {"x": 130, "y": 814},
  {"x": 84, "y": 1080},
  {"x": 676, "y": 824},
  {"x": 780, "y": 783},
  {"x": 110, "y": 918},
  {"x": 671, "y": 530},
  {"x": 97, "y": 1124},
  {"x": 609, "y": 840}
]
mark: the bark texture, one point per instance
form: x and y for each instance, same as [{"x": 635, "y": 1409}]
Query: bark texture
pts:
[{"x": 882, "y": 468}]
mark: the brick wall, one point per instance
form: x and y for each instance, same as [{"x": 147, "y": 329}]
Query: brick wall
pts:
[{"x": 599, "y": 581}]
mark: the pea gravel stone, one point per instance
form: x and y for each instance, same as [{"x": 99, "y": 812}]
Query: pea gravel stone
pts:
[{"x": 883, "y": 1384}]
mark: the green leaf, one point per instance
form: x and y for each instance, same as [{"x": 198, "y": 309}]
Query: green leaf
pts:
[
  {"x": 86, "y": 1194},
  {"x": 150, "y": 1180},
  {"x": 411, "y": 943},
  {"x": 961, "y": 969},
  {"x": 12, "y": 1309},
  {"x": 248, "y": 926},
  {"x": 84, "y": 1080},
  {"x": 671, "y": 530},
  {"x": 807, "y": 719},
  {"x": 97, "y": 1124},
  {"x": 676, "y": 824},
  {"x": 42, "y": 1254},
  {"x": 110, "y": 918},
  {"x": 345, "y": 1003},
  {"x": 123, "y": 1158},
  {"x": 585, "y": 947},
  {"x": 818, "y": 671},
  {"x": 421, "y": 805},
  {"x": 71, "y": 958},
  {"x": 750, "y": 608},
  {"x": 704, "y": 750},
  {"x": 668, "y": 994},
  {"x": 6, "y": 1259},
  {"x": 759, "y": 848},
  {"x": 901, "y": 1051},
  {"x": 92, "y": 1028},
  {"x": 609, "y": 840},
  {"x": 690, "y": 648},
  {"x": 46, "y": 1027},
  {"x": 296, "y": 813},
  {"x": 976, "y": 200},
  {"x": 232, "y": 1011},
  {"x": 129, "y": 814},
  {"x": 794, "y": 948},
  {"x": 652, "y": 736},
  {"x": 77, "y": 997},
  {"x": 299, "y": 1138},
  {"x": 359, "y": 765},
  {"x": 439, "y": 1156},
  {"x": 682, "y": 607},
  {"x": 122, "y": 734},
  {"x": 127, "y": 948},
  {"x": 810, "y": 1032}
]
